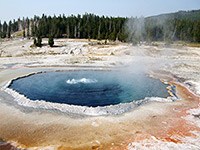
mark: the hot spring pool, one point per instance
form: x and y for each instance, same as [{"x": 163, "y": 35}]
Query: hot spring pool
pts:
[{"x": 89, "y": 88}]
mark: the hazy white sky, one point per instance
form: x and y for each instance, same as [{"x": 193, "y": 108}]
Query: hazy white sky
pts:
[{"x": 13, "y": 9}]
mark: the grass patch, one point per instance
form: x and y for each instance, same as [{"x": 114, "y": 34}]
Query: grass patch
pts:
[
  {"x": 95, "y": 59},
  {"x": 113, "y": 64},
  {"x": 193, "y": 44},
  {"x": 33, "y": 53},
  {"x": 51, "y": 52},
  {"x": 75, "y": 62},
  {"x": 112, "y": 53}
]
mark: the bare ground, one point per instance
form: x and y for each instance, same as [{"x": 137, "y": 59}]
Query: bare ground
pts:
[{"x": 151, "y": 126}]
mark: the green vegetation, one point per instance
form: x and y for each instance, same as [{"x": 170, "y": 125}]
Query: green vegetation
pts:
[
  {"x": 8, "y": 33},
  {"x": 23, "y": 34},
  {"x": 38, "y": 42},
  {"x": 88, "y": 26},
  {"x": 194, "y": 44},
  {"x": 51, "y": 42},
  {"x": 182, "y": 15},
  {"x": 180, "y": 26},
  {"x": 173, "y": 30},
  {"x": 35, "y": 42}
]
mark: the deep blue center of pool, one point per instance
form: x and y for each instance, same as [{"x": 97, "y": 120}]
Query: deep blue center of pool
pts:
[{"x": 89, "y": 88}]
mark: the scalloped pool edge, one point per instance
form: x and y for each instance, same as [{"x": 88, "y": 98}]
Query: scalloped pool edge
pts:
[{"x": 83, "y": 110}]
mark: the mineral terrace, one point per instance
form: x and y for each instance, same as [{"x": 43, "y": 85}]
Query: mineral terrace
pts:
[{"x": 153, "y": 125}]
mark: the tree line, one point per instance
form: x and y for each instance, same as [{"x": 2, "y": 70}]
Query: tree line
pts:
[
  {"x": 87, "y": 26},
  {"x": 90, "y": 26},
  {"x": 172, "y": 30}
]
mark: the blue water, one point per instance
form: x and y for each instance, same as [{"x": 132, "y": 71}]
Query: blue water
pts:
[{"x": 89, "y": 88}]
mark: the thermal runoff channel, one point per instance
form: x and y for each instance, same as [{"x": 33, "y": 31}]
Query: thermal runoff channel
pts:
[{"x": 89, "y": 88}]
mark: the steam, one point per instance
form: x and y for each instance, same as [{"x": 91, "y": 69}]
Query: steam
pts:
[
  {"x": 163, "y": 22},
  {"x": 148, "y": 58},
  {"x": 83, "y": 80},
  {"x": 148, "y": 29},
  {"x": 135, "y": 28}
]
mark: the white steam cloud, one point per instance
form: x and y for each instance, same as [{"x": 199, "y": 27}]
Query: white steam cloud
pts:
[{"x": 83, "y": 80}]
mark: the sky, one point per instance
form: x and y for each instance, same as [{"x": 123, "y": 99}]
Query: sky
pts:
[{"x": 13, "y": 9}]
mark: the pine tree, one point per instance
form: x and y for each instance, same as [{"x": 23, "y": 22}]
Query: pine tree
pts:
[
  {"x": 39, "y": 42},
  {"x": 51, "y": 41},
  {"x": 99, "y": 32},
  {"x": 90, "y": 26},
  {"x": 27, "y": 27},
  {"x": 23, "y": 34},
  {"x": 68, "y": 31},
  {"x": 4, "y": 30},
  {"x": 8, "y": 33},
  {"x": 35, "y": 42}
]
